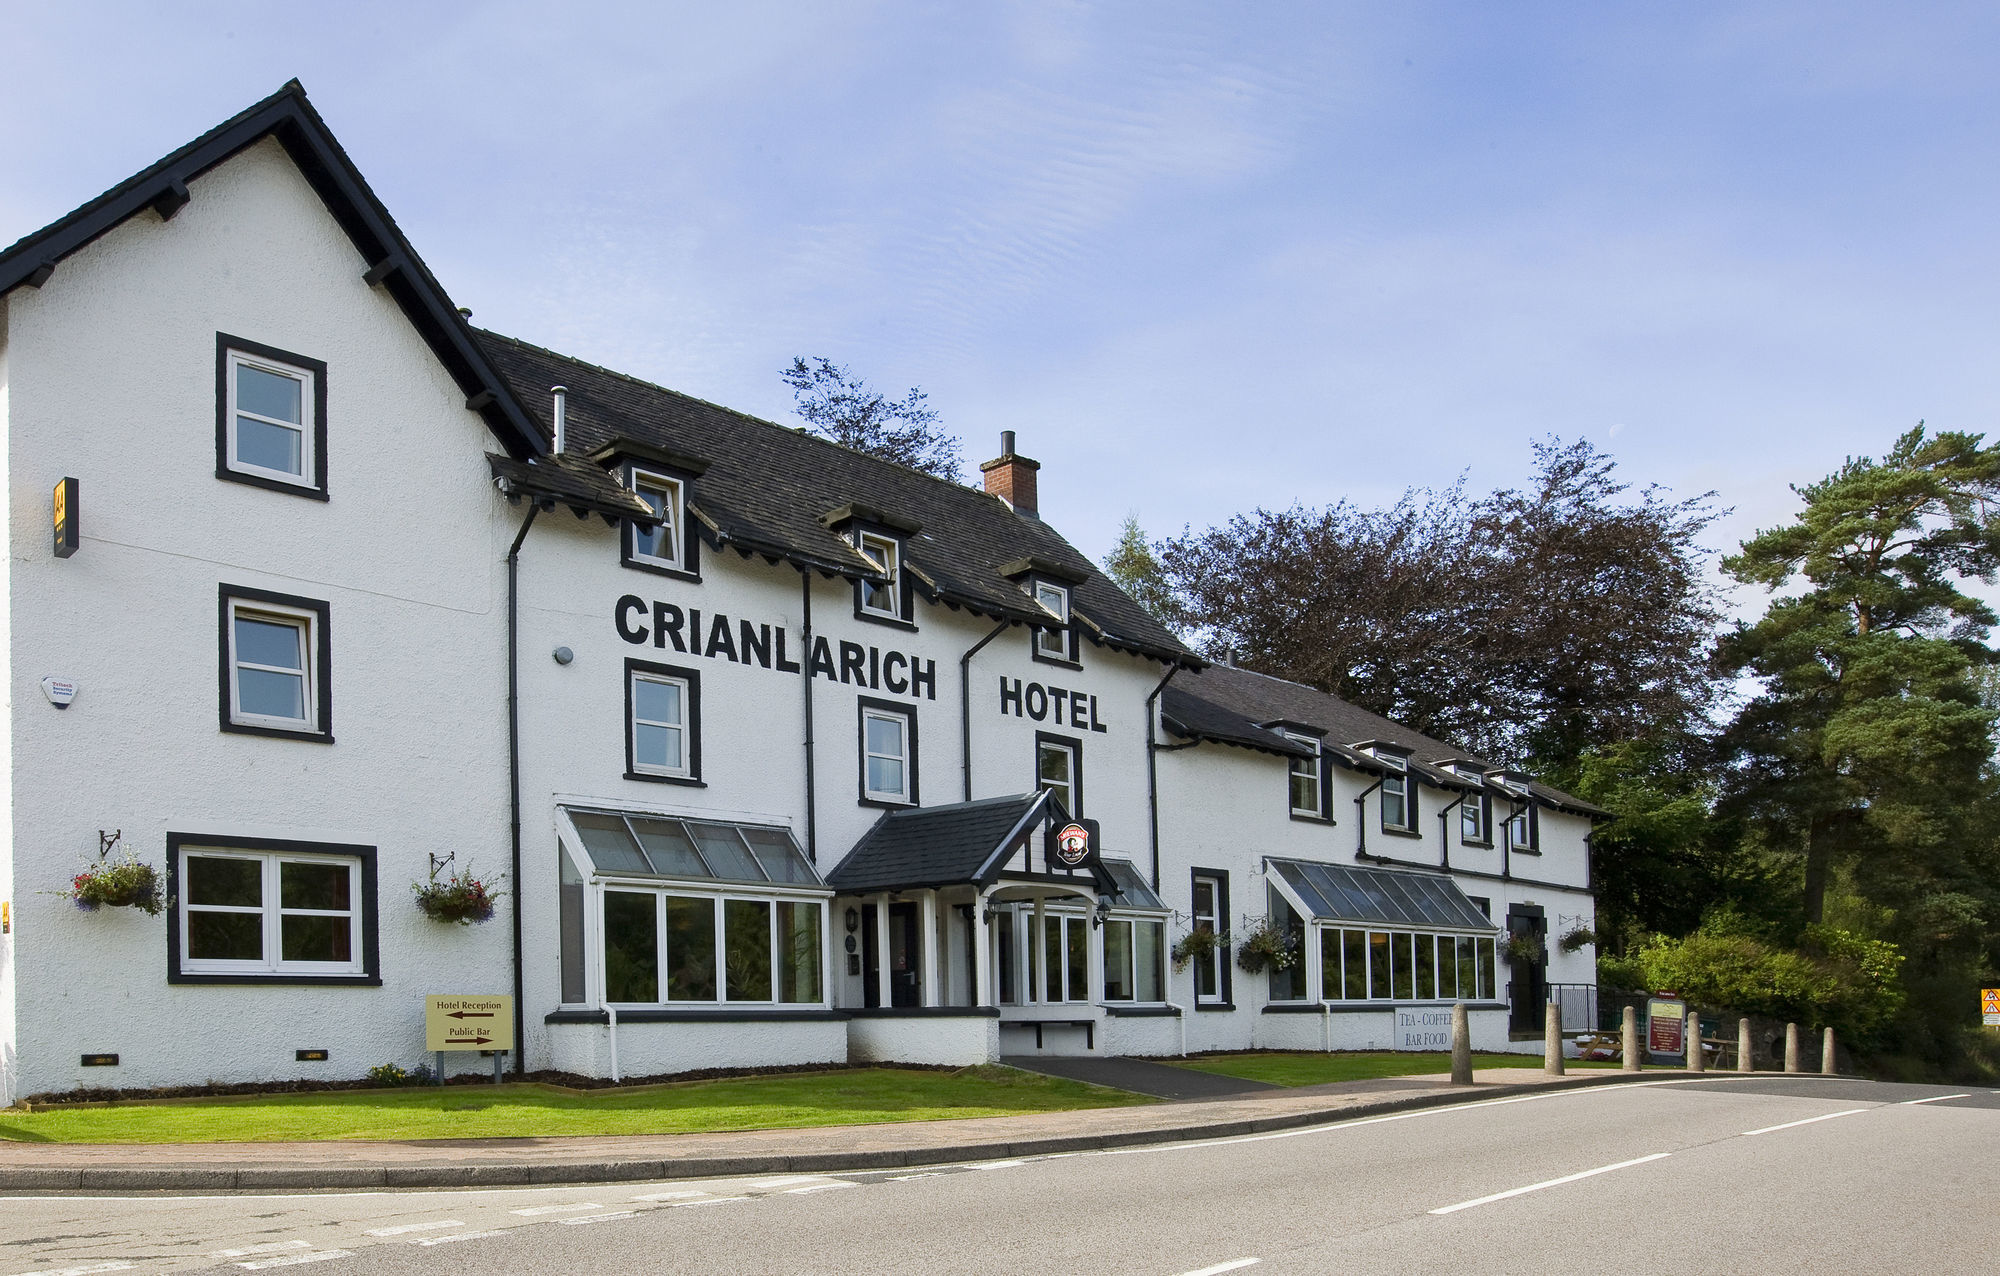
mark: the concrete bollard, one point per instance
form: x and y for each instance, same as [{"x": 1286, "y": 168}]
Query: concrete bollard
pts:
[
  {"x": 1692, "y": 1040},
  {"x": 1826, "y": 1067},
  {"x": 1628, "y": 1045},
  {"x": 1461, "y": 1045},
  {"x": 1791, "y": 1047},
  {"x": 1552, "y": 1040},
  {"x": 1743, "y": 1047}
]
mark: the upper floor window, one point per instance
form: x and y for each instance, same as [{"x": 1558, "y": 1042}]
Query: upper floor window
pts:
[
  {"x": 1475, "y": 812},
  {"x": 883, "y": 597},
  {"x": 275, "y": 653},
  {"x": 270, "y": 420},
  {"x": 1053, "y": 643},
  {"x": 663, "y": 719},
  {"x": 660, "y": 544},
  {"x": 1059, "y": 769},
  {"x": 1398, "y": 807},
  {"x": 888, "y": 753},
  {"x": 1524, "y": 830},
  {"x": 1306, "y": 781}
]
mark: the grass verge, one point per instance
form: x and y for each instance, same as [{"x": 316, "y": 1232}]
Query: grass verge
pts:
[
  {"x": 1276, "y": 1067},
  {"x": 858, "y": 1096}
]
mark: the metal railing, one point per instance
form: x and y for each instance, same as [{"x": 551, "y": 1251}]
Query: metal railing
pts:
[{"x": 1579, "y": 1006}]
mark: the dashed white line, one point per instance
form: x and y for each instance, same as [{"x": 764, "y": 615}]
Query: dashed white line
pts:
[
  {"x": 907, "y": 1178},
  {"x": 1235, "y": 1264},
  {"x": 407, "y": 1228},
  {"x": 817, "y": 1187},
  {"x": 774, "y": 1184},
  {"x": 91, "y": 1270},
  {"x": 276, "y": 1247},
  {"x": 1936, "y": 1098},
  {"x": 996, "y": 1165},
  {"x": 599, "y": 1218},
  {"x": 293, "y": 1260},
  {"x": 1536, "y": 1187},
  {"x": 717, "y": 1200},
  {"x": 669, "y": 1196},
  {"x": 538, "y": 1210},
  {"x": 428, "y": 1241},
  {"x": 1808, "y": 1121}
]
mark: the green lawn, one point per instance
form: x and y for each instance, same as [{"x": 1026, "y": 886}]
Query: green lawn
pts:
[
  {"x": 855, "y": 1097},
  {"x": 1284, "y": 1068}
]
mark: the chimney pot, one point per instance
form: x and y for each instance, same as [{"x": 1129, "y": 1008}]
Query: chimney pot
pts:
[{"x": 1011, "y": 477}]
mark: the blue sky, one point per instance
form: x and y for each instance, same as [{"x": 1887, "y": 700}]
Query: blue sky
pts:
[{"x": 1200, "y": 257}]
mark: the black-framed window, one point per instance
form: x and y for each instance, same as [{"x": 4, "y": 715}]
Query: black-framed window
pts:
[
  {"x": 250, "y": 910},
  {"x": 886, "y": 733},
  {"x": 887, "y": 601},
  {"x": 1524, "y": 829},
  {"x": 275, "y": 664},
  {"x": 1210, "y": 910},
  {"x": 1398, "y": 794},
  {"x": 270, "y": 417},
  {"x": 1059, "y": 768},
  {"x": 1307, "y": 791},
  {"x": 662, "y": 723},
  {"x": 1056, "y": 643},
  {"x": 1475, "y": 820},
  {"x": 669, "y": 547}
]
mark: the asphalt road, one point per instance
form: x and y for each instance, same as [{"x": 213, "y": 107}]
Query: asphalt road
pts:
[{"x": 1764, "y": 1175}]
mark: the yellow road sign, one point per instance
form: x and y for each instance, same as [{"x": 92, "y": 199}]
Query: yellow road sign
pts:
[{"x": 468, "y": 1023}]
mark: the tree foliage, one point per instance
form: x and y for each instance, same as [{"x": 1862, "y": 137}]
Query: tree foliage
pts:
[
  {"x": 1533, "y": 621},
  {"x": 839, "y": 406},
  {"x": 1833, "y": 979},
  {"x": 1134, "y": 568}
]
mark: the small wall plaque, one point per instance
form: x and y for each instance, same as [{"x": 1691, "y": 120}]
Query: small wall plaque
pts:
[
  {"x": 100, "y": 1061},
  {"x": 309, "y": 1056},
  {"x": 60, "y": 691}
]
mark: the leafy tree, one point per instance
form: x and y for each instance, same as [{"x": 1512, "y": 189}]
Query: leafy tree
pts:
[
  {"x": 1869, "y": 740},
  {"x": 1537, "y": 621},
  {"x": 1134, "y": 568},
  {"x": 838, "y": 405}
]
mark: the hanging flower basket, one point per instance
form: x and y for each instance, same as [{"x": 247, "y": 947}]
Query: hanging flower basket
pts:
[
  {"x": 1267, "y": 946},
  {"x": 460, "y": 898},
  {"x": 1577, "y": 938},
  {"x": 1525, "y": 947},
  {"x": 1198, "y": 944},
  {"x": 126, "y": 883}
]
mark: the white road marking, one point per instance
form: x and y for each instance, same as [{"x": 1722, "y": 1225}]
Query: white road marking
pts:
[
  {"x": 113, "y": 1266},
  {"x": 718, "y": 1200},
  {"x": 1808, "y": 1121},
  {"x": 536, "y": 1211},
  {"x": 817, "y": 1187},
  {"x": 931, "y": 1174},
  {"x": 996, "y": 1165},
  {"x": 293, "y": 1260},
  {"x": 773, "y": 1184},
  {"x": 1936, "y": 1098},
  {"x": 1219, "y": 1268},
  {"x": 599, "y": 1218},
  {"x": 1536, "y": 1187},
  {"x": 669, "y": 1196},
  {"x": 428, "y": 1241},
  {"x": 275, "y": 1247},
  {"x": 414, "y": 1227}
]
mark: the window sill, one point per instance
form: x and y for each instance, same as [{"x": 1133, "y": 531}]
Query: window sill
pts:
[
  {"x": 1369, "y": 1007},
  {"x": 1477, "y": 846},
  {"x": 809, "y": 1014},
  {"x": 1303, "y": 818},
  {"x": 688, "y": 781},
  {"x": 348, "y": 981},
  {"x": 1524, "y": 850},
  {"x": 1204, "y": 1007},
  {"x": 1061, "y": 662},
  {"x": 278, "y": 733},
  {"x": 887, "y": 621},
  {"x": 307, "y": 490},
  {"x": 660, "y": 569},
  {"x": 1123, "y": 1010},
  {"x": 887, "y": 804},
  {"x": 1389, "y": 831},
  {"x": 922, "y": 1012}
]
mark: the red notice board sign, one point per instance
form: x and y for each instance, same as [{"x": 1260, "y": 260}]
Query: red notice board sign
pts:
[{"x": 1666, "y": 1021}]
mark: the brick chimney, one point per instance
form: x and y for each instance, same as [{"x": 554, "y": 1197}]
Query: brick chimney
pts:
[{"x": 1012, "y": 478}]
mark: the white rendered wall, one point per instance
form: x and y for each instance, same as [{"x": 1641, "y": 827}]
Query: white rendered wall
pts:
[
  {"x": 658, "y": 1049},
  {"x": 8, "y": 1027},
  {"x": 112, "y": 380},
  {"x": 935, "y": 1040}
]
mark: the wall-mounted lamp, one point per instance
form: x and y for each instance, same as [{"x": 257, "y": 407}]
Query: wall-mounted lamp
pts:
[{"x": 853, "y": 919}]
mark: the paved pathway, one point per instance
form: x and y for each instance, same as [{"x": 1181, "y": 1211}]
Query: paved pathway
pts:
[{"x": 28, "y": 1167}]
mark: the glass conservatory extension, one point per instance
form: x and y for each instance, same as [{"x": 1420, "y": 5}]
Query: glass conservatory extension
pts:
[{"x": 1373, "y": 935}]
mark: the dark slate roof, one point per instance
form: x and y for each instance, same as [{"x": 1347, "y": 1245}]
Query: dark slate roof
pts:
[
  {"x": 394, "y": 265},
  {"x": 569, "y": 480},
  {"x": 768, "y": 490},
  {"x": 933, "y": 846},
  {"x": 1231, "y": 705}
]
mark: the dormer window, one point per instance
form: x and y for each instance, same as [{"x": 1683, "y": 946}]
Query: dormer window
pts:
[
  {"x": 1053, "y": 643},
  {"x": 1475, "y": 813},
  {"x": 1523, "y": 830},
  {"x": 884, "y": 597},
  {"x": 1399, "y": 806},
  {"x": 1307, "y": 782},
  {"x": 659, "y": 544}
]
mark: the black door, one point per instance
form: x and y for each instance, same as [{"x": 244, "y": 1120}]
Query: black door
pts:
[
  {"x": 905, "y": 986},
  {"x": 1529, "y": 989}
]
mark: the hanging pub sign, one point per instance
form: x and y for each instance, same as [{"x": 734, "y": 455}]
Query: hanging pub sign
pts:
[
  {"x": 1070, "y": 844},
  {"x": 67, "y": 512}
]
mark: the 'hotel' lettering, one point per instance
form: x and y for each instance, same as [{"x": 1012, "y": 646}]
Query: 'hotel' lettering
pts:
[{"x": 1045, "y": 704}]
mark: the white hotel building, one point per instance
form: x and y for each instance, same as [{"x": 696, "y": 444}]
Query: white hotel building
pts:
[{"x": 771, "y": 740}]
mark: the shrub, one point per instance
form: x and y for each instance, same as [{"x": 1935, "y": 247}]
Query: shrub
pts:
[
  {"x": 388, "y": 1074},
  {"x": 1835, "y": 979}
]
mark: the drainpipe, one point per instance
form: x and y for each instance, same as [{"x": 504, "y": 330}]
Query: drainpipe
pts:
[
  {"x": 1444, "y": 830},
  {"x": 1361, "y": 821},
  {"x": 1153, "y": 783},
  {"x": 611, "y": 1012},
  {"x": 806, "y": 683},
  {"x": 965, "y": 701},
  {"x": 514, "y": 774}
]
